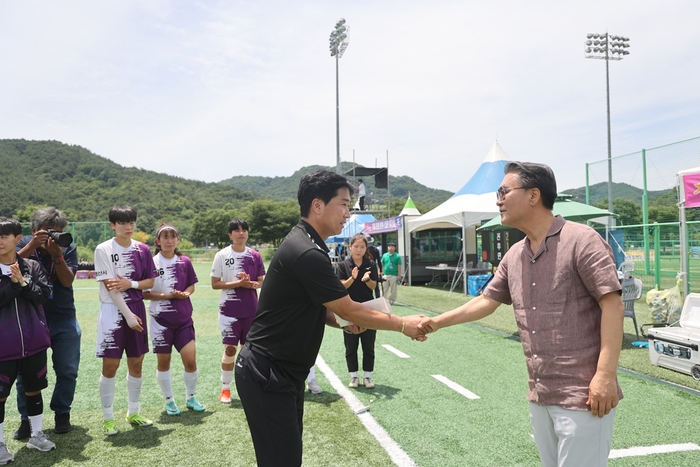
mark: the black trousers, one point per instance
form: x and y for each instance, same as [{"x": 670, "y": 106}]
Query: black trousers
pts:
[
  {"x": 362, "y": 203},
  {"x": 352, "y": 342},
  {"x": 274, "y": 409}
]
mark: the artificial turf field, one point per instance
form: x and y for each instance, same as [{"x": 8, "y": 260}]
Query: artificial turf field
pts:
[{"x": 420, "y": 419}]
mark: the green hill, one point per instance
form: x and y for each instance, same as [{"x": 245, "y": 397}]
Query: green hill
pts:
[
  {"x": 285, "y": 188},
  {"x": 85, "y": 186},
  {"x": 599, "y": 193}
]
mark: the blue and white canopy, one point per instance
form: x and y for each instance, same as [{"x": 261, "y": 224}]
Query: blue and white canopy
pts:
[
  {"x": 474, "y": 202},
  {"x": 355, "y": 224}
]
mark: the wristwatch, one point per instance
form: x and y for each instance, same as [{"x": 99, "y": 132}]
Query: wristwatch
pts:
[{"x": 58, "y": 260}]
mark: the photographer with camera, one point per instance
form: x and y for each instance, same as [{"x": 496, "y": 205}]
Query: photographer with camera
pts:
[{"x": 54, "y": 250}]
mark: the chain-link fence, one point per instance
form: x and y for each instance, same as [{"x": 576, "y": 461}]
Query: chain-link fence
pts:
[
  {"x": 659, "y": 265},
  {"x": 654, "y": 248},
  {"x": 652, "y": 169}
]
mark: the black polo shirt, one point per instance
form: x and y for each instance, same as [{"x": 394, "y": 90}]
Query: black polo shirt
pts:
[
  {"x": 358, "y": 290},
  {"x": 289, "y": 325}
]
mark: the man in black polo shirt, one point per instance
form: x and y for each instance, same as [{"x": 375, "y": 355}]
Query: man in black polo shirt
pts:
[{"x": 299, "y": 296}]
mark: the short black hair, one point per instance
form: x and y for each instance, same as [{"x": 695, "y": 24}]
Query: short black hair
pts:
[
  {"x": 540, "y": 176},
  {"x": 235, "y": 224},
  {"x": 322, "y": 184},
  {"x": 10, "y": 226},
  {"x": 122, "y": 213}
]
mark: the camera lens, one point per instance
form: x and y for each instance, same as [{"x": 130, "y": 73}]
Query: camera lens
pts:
[{"x": 64, "y": 239}]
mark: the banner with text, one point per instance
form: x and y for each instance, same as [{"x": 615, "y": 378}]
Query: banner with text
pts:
[{"x": 384, "y": 225}]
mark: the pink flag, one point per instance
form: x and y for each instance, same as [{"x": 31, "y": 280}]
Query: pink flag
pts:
[{"x": 691, "y": 185}]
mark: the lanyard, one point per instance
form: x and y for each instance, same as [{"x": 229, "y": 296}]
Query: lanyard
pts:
[{"x": 49, "y": 269}]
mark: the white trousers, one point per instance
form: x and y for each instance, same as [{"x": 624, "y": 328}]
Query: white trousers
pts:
[{"x": 571, "y": 438}]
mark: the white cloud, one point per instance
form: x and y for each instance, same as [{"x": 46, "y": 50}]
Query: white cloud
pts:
[{"x": 214, "y": 89}]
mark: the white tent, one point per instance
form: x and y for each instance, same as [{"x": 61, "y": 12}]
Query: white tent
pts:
[
  {"x": 473, "y": 203},
  {"x": 688, "y": 188}
]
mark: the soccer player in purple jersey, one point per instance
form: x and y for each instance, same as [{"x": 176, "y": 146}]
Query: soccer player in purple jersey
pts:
[
  {"x": 123, "y": 268},
  {"x": 238, "y": 271},
  {"x": 171, "y": 317}
]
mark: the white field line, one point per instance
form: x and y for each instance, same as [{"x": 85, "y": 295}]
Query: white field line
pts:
[
  {"x": 456, "y": 387},
  {"x": 648, "y": 450},
  {"x": 395, "y": 351},
  {"x": 397, "y": 455}
]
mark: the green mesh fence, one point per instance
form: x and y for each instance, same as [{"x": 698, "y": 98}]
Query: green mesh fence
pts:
[
  {"x": 654, "y": 168},
  {"x": 655, "y": 248}
]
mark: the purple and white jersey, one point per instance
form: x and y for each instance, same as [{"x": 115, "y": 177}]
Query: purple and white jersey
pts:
[
  {"x": 134, "y": 263},
  {"x": 176, "y": 273},
  {"x": 239, "y": 302}
]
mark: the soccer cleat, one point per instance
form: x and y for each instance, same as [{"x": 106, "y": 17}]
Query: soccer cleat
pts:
[
  {"x": 368, "y": 383},
  {"x": 137, "y": 420},
  {"x": 314, "y": 387},
  {"x": 40, "y": 442},
  {"x": 171, "y": 408},
  {"x": 354, "y": 382},
  {"x": 225, "y": 396},
  {"x": 109, "y": 427},
  {"x": 5, "y": 456},
  {"x": 193, "y": 404}
]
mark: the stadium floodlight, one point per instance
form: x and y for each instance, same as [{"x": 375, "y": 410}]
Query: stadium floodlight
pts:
[
  {"x": 338, "y": 43},
  {"x": 606, "y": 47}
]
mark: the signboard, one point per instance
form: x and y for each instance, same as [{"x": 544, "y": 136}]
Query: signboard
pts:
[
  {"x": 691, "y": 187},
  {"x": 495, "y": 243},
  {"x": 391, "y": 224}
]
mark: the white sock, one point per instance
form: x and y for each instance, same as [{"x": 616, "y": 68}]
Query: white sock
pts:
[
  {"x": 107, "y": 396},
  {"x": 312, "y": 373},
  {"x": 133, "y": 386},
  {"x": 2, "y": 432},
  {"x": 36, "y": 422},
  {"x": 191, "y": 383},
  {"x": 166, "y": 384},
  {"x": 368, "y": 374},
  {"x": 226, "y": 378},
  {"x": 353, "y": 374}
]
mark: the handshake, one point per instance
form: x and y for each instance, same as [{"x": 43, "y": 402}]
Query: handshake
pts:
[{"x": 418, "y": 326}]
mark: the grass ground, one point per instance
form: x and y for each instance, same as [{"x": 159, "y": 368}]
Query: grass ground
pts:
[{"x": 434, "y": 425}]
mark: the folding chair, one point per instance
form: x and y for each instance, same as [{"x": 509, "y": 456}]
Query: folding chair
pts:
[{"x": 631, "y": 292}]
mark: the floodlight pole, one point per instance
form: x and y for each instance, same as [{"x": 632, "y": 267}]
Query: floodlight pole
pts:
[
  {"x": 338, "y": 44},
  {"x": 337, "y": 118},
  {"x": 607, "y": 96},
  {"x": 598, "y": 46}
]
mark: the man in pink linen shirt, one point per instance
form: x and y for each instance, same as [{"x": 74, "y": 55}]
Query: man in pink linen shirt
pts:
[{"x": 562, "y": 283}]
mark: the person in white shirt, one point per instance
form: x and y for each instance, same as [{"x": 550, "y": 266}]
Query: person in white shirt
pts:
[{"x": 361, "y": 191}]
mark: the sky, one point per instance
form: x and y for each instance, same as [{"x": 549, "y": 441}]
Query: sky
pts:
[{"x": 208, "y": 90}]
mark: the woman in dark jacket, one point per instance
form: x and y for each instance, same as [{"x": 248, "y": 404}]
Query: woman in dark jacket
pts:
[
  {"x": 24, "y": 333},
  {"x": 359, "y": 275}
]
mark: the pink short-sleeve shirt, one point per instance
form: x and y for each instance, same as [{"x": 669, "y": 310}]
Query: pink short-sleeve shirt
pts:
[{"x": 555, "y": 294}]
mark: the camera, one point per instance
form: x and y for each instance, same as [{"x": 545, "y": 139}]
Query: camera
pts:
[{"x": 62, "y": 238}]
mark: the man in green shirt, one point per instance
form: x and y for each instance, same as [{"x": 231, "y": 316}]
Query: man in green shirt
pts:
[{"x": 391, "y": 262}]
